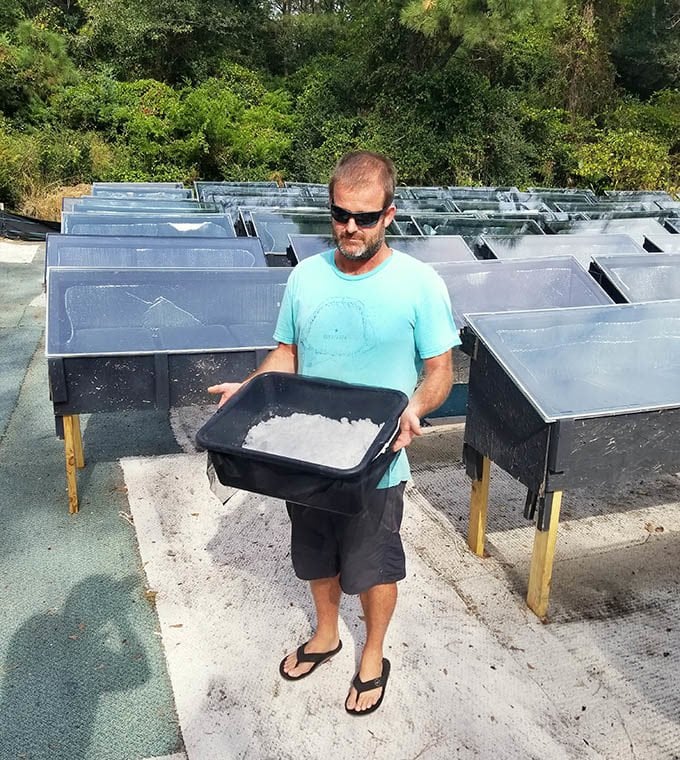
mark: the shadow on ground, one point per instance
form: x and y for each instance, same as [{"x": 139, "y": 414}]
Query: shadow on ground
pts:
[{"x": 51, "y": 693}]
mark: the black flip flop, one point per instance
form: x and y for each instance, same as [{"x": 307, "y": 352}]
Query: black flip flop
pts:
[
  {"x": 318, "y": 658},
  {"x": 374, "y": 683}
]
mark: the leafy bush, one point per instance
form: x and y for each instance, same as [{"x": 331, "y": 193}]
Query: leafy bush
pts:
[
  {"x": 34, "y": 64},
  {"x": 659, "y": 116},
  {"x": 19, "y": 161},
  {"x": 621, "y": 158}
]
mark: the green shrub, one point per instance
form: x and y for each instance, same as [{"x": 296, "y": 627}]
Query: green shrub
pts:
[
  {"x": 625, "y": 159},
  {"x": 19, "y": 162},
  {"x": 240, "y": 130}
]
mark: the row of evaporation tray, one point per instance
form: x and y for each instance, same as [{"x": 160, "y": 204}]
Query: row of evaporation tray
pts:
[
  {"x": 272, "y": 214},
  {"x": 475, "y": 286}
]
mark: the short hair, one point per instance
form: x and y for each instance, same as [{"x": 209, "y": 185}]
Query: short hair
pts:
[{"x": 361, "y": 166}]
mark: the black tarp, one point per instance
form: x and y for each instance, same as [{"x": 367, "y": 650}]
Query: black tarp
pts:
[{"x": 18, "y": 227}]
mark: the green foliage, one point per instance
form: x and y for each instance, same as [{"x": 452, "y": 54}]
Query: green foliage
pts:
[
  {"x": 47, "y": 157},
  {"x": 231, "y": 126},
  {"x": 456, "y": 91},
  {"x": 12, "y": 13},
  {"x": 659, "y": 116},
  {"x": 34, "y": 64},
  {"x": 477, "y": 23},
  {"x": 624, "y": 159},
  {"x": 327, "y": 122},
  {"x": 647, "y": 48},
  {"x": 295, "y": 39},
  {"x": 528, "y": 62},
  {"x": 19, "y": 159},
  {"x": 171, "y": 40},
  {"x": 242, "y": 130},
  {"x": 89, "y": 104},
  {"x": 555, "y": 136}
]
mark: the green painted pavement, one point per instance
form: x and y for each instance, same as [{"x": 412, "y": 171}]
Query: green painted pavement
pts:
[{"x": 82, "y": 669}]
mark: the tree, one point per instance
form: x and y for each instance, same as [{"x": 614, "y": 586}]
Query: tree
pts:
[
  {"x": 647, "y": 50},
  {"x": 480, "y": 23},
  {"x": 34, "y": 64},
  {"x": 172, "y": 41}
]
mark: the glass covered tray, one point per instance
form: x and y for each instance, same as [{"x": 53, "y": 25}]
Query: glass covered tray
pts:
[
  {"x": 498, "y": 286},
  {"x": 273, "y": 228},
  {"x": 646, "y": 277},
  {"x": 474, "y": 193},
  {"x": 570, "y": 398},
  {"x": 233, "y": 203},
  {"x": 85, "y": 251},
  {"x": 423, "y": 192},
  {"x": 96, "y": 203},
  {"x": 589, "y": 361},
  {"x": 165, "y": 225},
  {"x": 137, "y": 185},
  {"x": 637, "y": 228},
  {"x": 155, "y": 338},
  {"x": 494, "y": 205},
  {"x": 664, "y": 242},
  {"x": 134, "y": 191},
  {"x": 435, "y": 205},
  {"x": 133, "y": 311},
  {"x": 471, "y": 228},
  {"x": 428, "y": 249},
  {"x": 581, "y": 247},
  {"x": 202, "y": 188},
  {"x": 612, "y": 205},
  {"x": 244, "y": 215},
  {"x": 638, "y": 194}
]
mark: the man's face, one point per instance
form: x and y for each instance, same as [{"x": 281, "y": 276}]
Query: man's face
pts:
[{"x": 357, "y": 243}]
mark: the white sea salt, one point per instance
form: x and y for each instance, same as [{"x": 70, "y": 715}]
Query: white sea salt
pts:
[{"x": 314, "y": 438}]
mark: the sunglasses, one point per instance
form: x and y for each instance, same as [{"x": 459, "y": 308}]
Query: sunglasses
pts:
[{"x": 361, "y": 218}]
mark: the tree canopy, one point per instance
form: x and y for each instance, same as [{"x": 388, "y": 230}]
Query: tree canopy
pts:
[{"x": 521, "y": 92}]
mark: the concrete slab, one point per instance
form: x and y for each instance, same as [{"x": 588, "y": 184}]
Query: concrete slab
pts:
[
  {"x": 476, "y": 674},
  {"x": 230, "y": 609},
  {"x": 16, "y": 252}
]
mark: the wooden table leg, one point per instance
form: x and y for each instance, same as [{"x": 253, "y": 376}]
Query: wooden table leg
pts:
[
  {"x": 479, "y": 501},
  {"x": 71, "y": 436},
  {"x": 78, "y": 442},
  {"x": 540, "y": 575}
]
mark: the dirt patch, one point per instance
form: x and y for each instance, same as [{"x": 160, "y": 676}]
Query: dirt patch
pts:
[{"x": 45, "y": 203}]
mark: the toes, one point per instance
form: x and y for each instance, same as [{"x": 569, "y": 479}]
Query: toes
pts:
[
  {"x": 290, "y": 665},
  {"x": 362, "y": 702},
  {"x": 368, "y": 700},
  {"x": 295, "y": 669}
]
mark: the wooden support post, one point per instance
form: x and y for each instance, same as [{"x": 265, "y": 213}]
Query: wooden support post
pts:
[
  {"x": 540, "y": 575},
  {"x": 78, "y": 442},
  {"x": 479, "y": 501},
  {"x": 71, "y": 431}
]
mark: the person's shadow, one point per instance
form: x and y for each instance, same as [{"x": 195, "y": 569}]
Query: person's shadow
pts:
[{"x": 59, "y": 665}]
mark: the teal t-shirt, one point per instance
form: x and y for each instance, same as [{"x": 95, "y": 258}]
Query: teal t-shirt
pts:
[{"x": 372, "y": 329}]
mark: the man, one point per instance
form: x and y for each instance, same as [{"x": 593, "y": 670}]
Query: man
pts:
[{"x": 365, "y": 314}]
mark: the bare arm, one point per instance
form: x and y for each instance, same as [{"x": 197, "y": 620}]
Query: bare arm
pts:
[
  {"x": 282, "y": 359},
  {"x": 430, "y": 394}
]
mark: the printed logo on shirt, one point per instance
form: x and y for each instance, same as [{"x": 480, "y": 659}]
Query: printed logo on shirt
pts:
[{"x": 338, "y": 327}]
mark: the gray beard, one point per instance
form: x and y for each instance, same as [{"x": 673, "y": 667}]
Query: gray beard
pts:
[{"x": 365, "y": 255}]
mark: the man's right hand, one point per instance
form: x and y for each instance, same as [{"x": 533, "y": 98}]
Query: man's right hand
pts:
[{"x": 226, "y": 389}]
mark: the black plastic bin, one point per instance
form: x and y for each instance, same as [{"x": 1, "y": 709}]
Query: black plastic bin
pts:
[{"x": 282, "y": 394}]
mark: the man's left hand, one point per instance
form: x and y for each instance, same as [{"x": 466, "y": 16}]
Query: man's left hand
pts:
[{"x": 409, "y": 428}]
